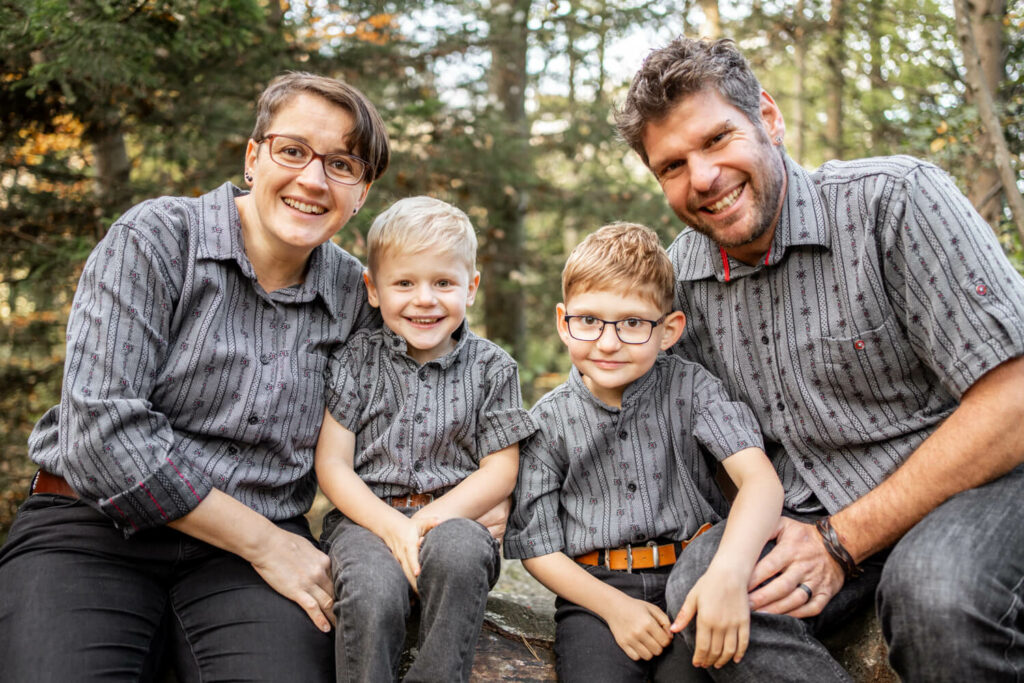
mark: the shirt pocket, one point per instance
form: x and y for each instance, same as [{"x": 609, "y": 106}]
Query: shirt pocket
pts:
[{"x": 865, "y": 386}]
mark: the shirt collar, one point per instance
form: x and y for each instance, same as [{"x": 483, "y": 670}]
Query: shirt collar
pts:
[
  {"x": 636, "y": 392},
  {"x": 397, "y": 345},
  {"x": 801, "y": 223},
  {"x": 219, "y": 238}
]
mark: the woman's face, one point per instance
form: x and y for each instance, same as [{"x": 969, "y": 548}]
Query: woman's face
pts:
[{"x": 291, "y": 211}]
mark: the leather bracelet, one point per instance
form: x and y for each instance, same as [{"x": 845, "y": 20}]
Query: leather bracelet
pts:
[{"x": 835, "y": 548}]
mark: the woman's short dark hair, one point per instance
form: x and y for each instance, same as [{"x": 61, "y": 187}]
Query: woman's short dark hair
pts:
[
  {"x": 368, "y": 139},
  {"x": 684, "y": 67}
]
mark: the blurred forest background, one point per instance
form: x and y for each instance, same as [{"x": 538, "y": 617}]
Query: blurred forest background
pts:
[{"x": 501, "y": 107}]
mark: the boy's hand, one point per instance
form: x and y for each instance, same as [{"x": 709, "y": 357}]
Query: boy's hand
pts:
[
  {"x": 719, "y": 601},
  {"x": 404, "y": 539},
  {"x": 639, "y": 628}
]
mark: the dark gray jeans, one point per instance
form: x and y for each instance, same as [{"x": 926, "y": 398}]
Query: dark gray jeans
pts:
[
  {"x": 79, "y": 603},
  {"x": 950, "y": 595},
  {"x": 459, "y": 563}
]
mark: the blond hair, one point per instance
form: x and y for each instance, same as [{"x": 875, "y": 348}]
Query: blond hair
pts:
[
  {"x": 418, "y": 224},
  {"x": 621, "y": 257}
]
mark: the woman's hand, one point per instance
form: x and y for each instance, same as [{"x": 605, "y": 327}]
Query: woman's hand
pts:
[{"x": 296, "y": 569}]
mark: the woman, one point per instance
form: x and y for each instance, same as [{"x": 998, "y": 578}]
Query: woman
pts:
[{"x": 168, "y": 510}]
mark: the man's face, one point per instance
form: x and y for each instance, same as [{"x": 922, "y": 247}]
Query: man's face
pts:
[{"x": 720, "y": 172}]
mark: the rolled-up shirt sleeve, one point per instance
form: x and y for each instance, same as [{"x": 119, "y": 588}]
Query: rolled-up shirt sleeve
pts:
[
  {"x": 954, "y": 292},
  {"x": 502, "y": 419},
  {"x": 534, "y": 526},
  {"x": 722, "y": 426},
  {"x": 117, "y": 451}
]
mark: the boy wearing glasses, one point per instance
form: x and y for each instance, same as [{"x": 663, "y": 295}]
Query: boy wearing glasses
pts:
[
  {"x": 613, "y": 485},
  {"x": 419, "y": 439}
]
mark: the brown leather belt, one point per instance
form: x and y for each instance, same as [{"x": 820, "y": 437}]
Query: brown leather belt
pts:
[
  {"x": 412, "y": 500},
  {"x": 44, "y": 482},
  {"x": 632, "y": 557}
]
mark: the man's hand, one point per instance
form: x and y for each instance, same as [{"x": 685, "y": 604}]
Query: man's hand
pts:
[
  {"x": 639, "y": 628},
  {"x": 296, "y": 569},
  {"x": 799, "y": 557}
]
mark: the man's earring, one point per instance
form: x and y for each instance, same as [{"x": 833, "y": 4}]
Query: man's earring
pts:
[{"x": 778, "y": 139}]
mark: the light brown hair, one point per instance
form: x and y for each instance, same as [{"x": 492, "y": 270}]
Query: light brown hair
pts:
[{"x": 621, "y": 257}]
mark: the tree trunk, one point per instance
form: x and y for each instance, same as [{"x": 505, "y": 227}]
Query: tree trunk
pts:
[
  {"x": 982, "y": 92},
  {"x": 800, "y": 64},
  {"x": 502, "y": 256},
  {"x": 712, "y": 26},
  {"x": 984, "y": 187},
  {"x": 113, "y": 168},
  {"x": 835, "y": 59}
]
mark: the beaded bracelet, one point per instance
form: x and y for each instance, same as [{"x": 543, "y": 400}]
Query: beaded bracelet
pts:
[{"x": 835, "y": 548}]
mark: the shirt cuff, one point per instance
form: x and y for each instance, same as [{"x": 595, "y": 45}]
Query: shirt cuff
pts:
[{"x": 171, "y": 492}]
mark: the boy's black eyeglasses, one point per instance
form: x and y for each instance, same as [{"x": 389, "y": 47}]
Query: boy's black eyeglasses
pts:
[
  {"x": 291, "y": 153},
  {"x": 628, "y": 330}
]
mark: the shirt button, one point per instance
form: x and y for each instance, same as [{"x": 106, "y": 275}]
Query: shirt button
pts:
[
  {"x": 780, "y": 405},
  {"x": 423, "y": 373},
  {"x": 631, "y": 487},
  {"x": 859, "y": 344},
  {"x": 418, "y": 466},
  {"x": 764, "y": 339},
  {"x": 623, "y": 434},
  {"x": 396, "y": 342},
  {"x": 233, "y": 450},
  {"x": 265, "y": 359},
  {"x": 808, "y": 464},
  {"x": 982, "y": 290},
  {"x": 419, "y": 417},
  {"x": 254, "y": 419}
]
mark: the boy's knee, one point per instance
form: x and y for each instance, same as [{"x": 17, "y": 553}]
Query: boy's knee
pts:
[
  {"x": 690, "y": 566},
  {"x": 458, "y": 547}
]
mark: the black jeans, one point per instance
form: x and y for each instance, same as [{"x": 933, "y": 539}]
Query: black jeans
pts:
[
  {"x": 79, "y": 602},
  {"x": 585, "y": 648}
]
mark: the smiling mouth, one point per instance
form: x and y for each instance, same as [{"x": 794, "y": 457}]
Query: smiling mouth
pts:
[
  {"x": 424, "y": 321},
  {"x": 304, "y": 207},
  {"x": 725, "y": 202}
]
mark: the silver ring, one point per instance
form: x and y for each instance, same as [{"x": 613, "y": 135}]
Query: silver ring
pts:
[{"x": 806, "y": 589}]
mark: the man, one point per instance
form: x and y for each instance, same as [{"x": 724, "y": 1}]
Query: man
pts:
[{"x": 870, "y": 318}]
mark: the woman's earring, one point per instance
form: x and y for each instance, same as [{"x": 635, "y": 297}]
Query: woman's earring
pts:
[
  {"x": 248, "y": 177},
  {"x": 778, "y": 140}
]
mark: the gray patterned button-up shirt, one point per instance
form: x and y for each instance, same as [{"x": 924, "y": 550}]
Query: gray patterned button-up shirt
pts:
[
  {"x": 183, "y": 374},
  {"x": 885, "y": 296},
  {"x": 595, "y": 476},
  {"x": 424, "y": 428}
]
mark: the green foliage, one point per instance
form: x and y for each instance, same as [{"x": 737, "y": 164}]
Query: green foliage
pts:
[{"x": 175, "y": 81}]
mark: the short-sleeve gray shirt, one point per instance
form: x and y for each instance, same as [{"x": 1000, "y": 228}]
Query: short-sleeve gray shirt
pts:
[
  {"x": 595, "y": 476},
  {"x": 884, "y": 297},
  {"x": 424, "y": 428},
  {"x": 183, "y": 374}
]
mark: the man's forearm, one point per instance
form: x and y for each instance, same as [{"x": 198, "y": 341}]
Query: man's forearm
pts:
[{"x": 982, "y": 440}]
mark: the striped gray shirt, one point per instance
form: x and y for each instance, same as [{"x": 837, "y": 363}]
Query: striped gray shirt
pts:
[
  {"x": 885, "y": 296},
  {"x": 595, "y": 476},
  {"x": 183, "y": 375},
  {"x": 424, "y": 428}
]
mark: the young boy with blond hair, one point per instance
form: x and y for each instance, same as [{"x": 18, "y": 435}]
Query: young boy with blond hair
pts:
[
  {"x": 419, "y": 439},
  {"x": 613, "y": 485}
]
